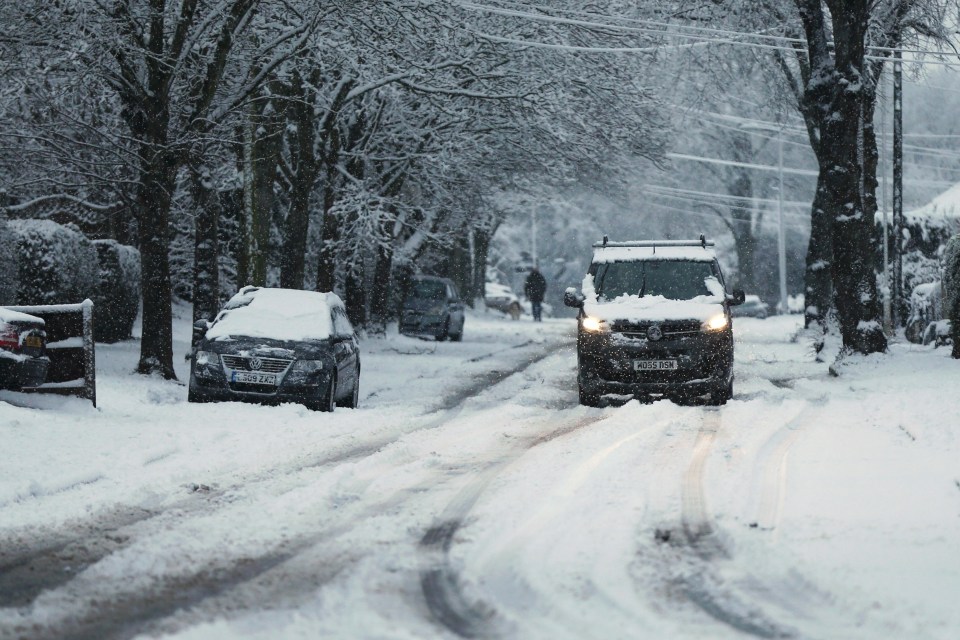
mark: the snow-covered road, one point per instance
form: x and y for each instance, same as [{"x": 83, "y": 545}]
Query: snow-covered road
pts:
[{"x": 471, "y": 496}]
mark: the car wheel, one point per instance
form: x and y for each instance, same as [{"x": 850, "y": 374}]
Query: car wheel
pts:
[
  {"x": 719, "y": 398},
  {"x": 588, "y": 399},
  {"x": 329, "y": 402},
  {"x": 445, "y": 332},
  {"x": 353, "y": 400},
  {"x": 457, "y": 337}
]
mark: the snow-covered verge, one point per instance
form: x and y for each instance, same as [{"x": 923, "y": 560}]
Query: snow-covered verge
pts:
[{"x": 470, "y": 495}]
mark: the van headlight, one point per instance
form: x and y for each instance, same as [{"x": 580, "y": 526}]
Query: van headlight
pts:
[
  {"x": 716, "y": 323},
  {"x": 594, "y": 325}
]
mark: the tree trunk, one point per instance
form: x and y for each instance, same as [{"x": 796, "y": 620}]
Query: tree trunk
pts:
[
  {"x": 296, "y": 227},
  {"x": 481, "y": 249},
  {"x": 157, "y": 178},
  {"x": 306, "y": 169},
  {"x": 380, "y": 291},
  {"x": 818, "y": 287},
  {"x": 206, "y": 252},
  {"x": 355, "y": 292},
  {"x": 264, "y": 143}
]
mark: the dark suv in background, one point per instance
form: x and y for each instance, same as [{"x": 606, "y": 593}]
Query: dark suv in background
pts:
[
  {"x": 654, "y": 321},
  {"x": 433, "y": 308}
]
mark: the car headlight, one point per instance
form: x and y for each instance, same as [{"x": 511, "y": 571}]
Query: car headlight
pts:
[
  {"x": 716, "y": 323},
  {"x": 308, "y": 366},
  {"x": 594, "y": 325},
  {"x": 207, "y": 359}
]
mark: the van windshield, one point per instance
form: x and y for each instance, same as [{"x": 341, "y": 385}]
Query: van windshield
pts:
[{"x": 672, "y": 279}]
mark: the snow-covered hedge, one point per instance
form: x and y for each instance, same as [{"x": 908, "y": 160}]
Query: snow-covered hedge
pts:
[
  {"x": 117, "y": 300},
  {"x": 8, "y": 264},
  {"x": 56, "y": 264}
]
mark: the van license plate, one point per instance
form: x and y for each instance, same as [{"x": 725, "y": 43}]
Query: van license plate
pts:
[
  {"x": 253, "y": 378},
  {"x": 654, "y": 365}
]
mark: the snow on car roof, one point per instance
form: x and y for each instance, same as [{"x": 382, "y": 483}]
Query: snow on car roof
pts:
[
  {"x": 280, "y": 314},
  {"x": 628, "y": 254},
  {"x": 9, "y": 315}
]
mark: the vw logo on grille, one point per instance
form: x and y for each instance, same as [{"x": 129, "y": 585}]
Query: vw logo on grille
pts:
[
  {"x": 256, "y": 364},
  {"x": 654, "y": 332}
]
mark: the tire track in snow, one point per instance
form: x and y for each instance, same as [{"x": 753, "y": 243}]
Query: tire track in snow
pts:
[
  {"x": 63, "y": 556},
  {"x": 439, "y": 580},
  {"x": 706, "y": 587},
  {"x": 771, "y": 468}
]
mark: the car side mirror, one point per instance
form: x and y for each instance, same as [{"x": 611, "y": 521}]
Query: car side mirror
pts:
[
  {"x": 200, "y": 328},
  {"x": 573, "y": 299},
  {"x": 737, "y": 298}
]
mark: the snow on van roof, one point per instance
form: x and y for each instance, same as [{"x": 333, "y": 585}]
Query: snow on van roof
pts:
[
  {"x": 625, "y": 254},
  {"x": 280, "y": 314}
]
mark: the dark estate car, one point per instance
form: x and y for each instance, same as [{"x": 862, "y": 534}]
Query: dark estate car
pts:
[
  {"x": 502, "y": 298},
  {"x": 23, "y": 355},
  {"x": 433, "y": 308},
  {"x": 654, "y": 321},
  {"x": 278, "y": 345}
]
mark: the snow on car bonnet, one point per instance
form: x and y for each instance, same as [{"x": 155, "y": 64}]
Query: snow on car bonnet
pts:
[
  {"x": 280, "y": 314},
  {"x": 635, "y": 308}
]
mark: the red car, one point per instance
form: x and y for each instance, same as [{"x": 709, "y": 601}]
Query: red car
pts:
[{"x": 23, "y": 350}]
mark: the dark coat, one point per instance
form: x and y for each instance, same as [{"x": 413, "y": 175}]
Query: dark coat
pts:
[{"x": 535, "y": 286}]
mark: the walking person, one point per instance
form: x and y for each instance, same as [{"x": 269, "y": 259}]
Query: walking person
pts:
[{"x": 534, "y": 288}]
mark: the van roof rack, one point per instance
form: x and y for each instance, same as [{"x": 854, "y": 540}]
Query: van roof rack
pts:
[{"x": 702, "y": 242}]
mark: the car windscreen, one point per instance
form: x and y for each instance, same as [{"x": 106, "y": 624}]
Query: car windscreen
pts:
[
  {"x": 427, "y": 290},
  {"x": 672, "y": 279}
]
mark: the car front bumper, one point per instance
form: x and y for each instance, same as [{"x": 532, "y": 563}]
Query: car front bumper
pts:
[
  {"x": 414, "y": 324},
  {"x": 607, "y": 365},
  {"x": 207, "y": 389}
]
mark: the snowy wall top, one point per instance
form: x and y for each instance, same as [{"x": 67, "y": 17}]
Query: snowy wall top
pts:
[{"x": 9, "y": 315}]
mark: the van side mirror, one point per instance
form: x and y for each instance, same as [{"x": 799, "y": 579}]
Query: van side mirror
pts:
[
  {"x": 573, "y": 299},
  {"x": 737, "y": 298}
]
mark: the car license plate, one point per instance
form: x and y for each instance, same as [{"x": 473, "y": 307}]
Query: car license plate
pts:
[
  {"x": 33, "y": 341},
  {"x": 654, "y": 365},
  {"x": 253, "y": 378}
]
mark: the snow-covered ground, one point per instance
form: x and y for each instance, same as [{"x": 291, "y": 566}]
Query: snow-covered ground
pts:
[{"x": 471, "y": 496}]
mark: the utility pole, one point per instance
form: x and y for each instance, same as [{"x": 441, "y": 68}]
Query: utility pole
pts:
[
  {"x": 885, "y": 233},
  {"x": 533, "y": 233},
  {"x": 898, "y": 305},
  {"x": 781, "y": 238}
]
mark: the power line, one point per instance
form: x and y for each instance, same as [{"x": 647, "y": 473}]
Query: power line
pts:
[
  {"x": 721, "y": 196},
  {"x": 679, "y": 33}
]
